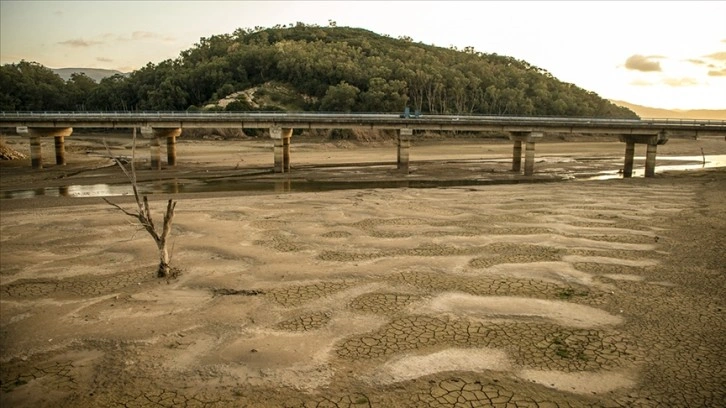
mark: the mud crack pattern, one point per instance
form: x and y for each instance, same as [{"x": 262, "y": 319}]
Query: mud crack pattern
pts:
[
  {"x": 363, "y": 280},
  {"x": 530, "y": 344}
]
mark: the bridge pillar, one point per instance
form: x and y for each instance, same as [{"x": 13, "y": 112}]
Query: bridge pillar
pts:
[
  {"x": 529, "y": 138},
  {"x": 170, "y": 134},
  {"x": 404, "y": 145},
  {"x": 281, "y": 148},
  {"x": 517, "y": 156},
  {"x": 650, "y": 154},
  {"x": 629, "y": 159},
  {"x": 36, "y": 151},
  {"x": 60, "y": 150},
  {"x": 155, "y": 151},
  {"x": 529, "y": 159},
  {"x": 651, "y": 142}
]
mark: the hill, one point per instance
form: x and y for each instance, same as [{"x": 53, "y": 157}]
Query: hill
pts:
[
  {"x": 656, "y": 113},
  {"x": 313, "y": 68},
  {"x": 96, "y": 74}
]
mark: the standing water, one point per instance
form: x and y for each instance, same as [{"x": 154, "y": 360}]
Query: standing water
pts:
[{"x": 201, "y": 185}]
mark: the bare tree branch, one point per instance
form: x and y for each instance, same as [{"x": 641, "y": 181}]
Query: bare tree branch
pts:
[
  {"x": 143, "y": 214},
  {"x": 120, "y": 208}
]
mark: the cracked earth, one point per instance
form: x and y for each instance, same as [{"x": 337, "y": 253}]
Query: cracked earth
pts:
[{"x": 571, "y": 294}]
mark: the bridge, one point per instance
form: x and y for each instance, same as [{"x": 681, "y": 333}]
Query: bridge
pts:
[{"x": 521, "y": 130}]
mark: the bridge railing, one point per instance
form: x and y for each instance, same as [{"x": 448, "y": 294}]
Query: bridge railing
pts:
[{"x": 257, "y": 115}]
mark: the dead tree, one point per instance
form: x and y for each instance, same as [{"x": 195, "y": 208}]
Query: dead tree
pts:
[{"x": 143, "y": 214}]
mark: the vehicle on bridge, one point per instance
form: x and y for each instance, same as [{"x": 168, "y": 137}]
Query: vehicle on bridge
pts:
[{"x": 407, "y": 114}]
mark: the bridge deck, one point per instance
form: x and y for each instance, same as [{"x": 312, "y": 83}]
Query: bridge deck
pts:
[{"x": 182, "y": 120}]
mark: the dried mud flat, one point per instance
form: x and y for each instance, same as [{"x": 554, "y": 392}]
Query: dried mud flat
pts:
[{"x": 567, "y": 294}]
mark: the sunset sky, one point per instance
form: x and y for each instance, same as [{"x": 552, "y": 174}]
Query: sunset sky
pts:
[{"x": 667, "y": 54}]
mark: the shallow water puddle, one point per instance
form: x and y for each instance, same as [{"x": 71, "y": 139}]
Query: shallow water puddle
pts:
[{"x": 282, "y": 186}]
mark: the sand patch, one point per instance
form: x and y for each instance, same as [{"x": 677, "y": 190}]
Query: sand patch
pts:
[
  {"x": 609, "y": 260},
  {"x": 299, "y": 360},
  {"x": 291, "y": 359},
  {"x": 580, "y": 382},
  {"x": 556, "y": 272},
  {"x": 624, "y": 277},
  {"x": 564, "y": 313},
  {"x": 415, "y": 366}
]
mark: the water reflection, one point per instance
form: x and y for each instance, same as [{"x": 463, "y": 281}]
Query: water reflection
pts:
[
  {"x": 694, "y": 163},
  {"x": 287, "y": 185},
  {"x": 93, "y": 190}
]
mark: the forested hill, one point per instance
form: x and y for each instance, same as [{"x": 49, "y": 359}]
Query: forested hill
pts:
[{"x": 313, "y": 68}]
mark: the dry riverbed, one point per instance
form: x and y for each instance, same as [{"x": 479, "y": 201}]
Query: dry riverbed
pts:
[{"x": 558, "y": 294}]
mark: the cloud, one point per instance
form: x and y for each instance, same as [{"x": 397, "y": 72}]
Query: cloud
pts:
[
  {"x": 696, "y": 61},
  {"x": 142, "y": 35},
  {"x": 718, "y": 73},
  {"x": 103, "y": 59},
  {"x": 145, "y": 35},
  {"x": 643, "y": 63},
  {"x": 679, "y": 82},
  {"x": 718, "y": 56},
  {"x": 79, "y": 43},
  {"x": 641, "y": 82}
]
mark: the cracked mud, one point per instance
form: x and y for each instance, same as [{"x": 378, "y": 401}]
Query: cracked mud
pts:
[{"x": 578, "y": 294}]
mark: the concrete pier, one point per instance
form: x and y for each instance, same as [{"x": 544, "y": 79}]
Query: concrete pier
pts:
[
  {"x": 517, "y": 156},
  {"x": 155, "y": 151},
  {"x": 60, "y": 150},
  {"x": 36, "y": 154},
  {"x": 155, "y": 135},
  {"x": 651, "y": 142},
  {"x": 404, "y": 145},
  {"x": 650, "y": 154},
  {"x": 170, "y": 134},
  {"x": 281, "y": 148},
  {"x": 629, "y": 158},
  {"x": 529, "y": 138}
]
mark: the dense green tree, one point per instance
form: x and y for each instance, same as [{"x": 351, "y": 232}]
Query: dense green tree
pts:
[
  {"x": 31, "y": 86},
  {"x": 78, "y": 90},
  {"x": 111, "y": 94},
  {"x": 340, "y": 98}
]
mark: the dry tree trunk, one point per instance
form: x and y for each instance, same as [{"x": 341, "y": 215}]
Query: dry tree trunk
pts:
[{"x": 143, "y": 214}]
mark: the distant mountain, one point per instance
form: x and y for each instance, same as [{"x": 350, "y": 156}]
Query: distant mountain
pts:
[
  {"x": 656, "y": 113},
  {"x": 96, "y": 74}
]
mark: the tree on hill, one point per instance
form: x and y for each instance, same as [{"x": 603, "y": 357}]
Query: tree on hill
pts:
[
  {"x": 32, "y": 87},
  {"x": 340, "y": 68}
]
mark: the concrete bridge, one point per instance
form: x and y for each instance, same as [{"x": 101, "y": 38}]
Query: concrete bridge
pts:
[{"x": 521, "y": 130}]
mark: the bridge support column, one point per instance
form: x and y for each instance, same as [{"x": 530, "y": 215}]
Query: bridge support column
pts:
[
  {"x": 281, "y": 148},
  {"x": 155, "y": 151},
  {"x": 652, "y": 142},
  {"x": 529, "y": 138},
  {"x": 529, "y": 159},
  {"x": 36, "y": 151},
  {"x": 650, "y": 154},
  {"x": 517, "y": 156},
  {"x": 170, "y": 134},
  {"x": 286, "y": 151},
  {"x": 60, "y": 150},
  {"x": 629, "y": 159},
  {"x": 404, "y": 145}
]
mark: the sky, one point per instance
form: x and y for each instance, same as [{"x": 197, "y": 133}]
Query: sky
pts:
[{"x": 662, "y": 54}]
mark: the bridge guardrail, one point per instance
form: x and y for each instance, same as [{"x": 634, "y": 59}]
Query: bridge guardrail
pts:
[{"x": 382, "y": 117}]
